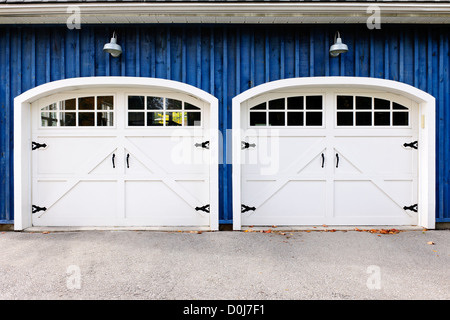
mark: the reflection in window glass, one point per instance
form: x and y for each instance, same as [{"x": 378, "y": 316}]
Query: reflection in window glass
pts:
[
  {"x": 295, "y": 103},
  {"x": 105, "y": 103},
  {"x": 105, "y": 119},
  {"x": 49, "y": 119},
  {"x": 192, "y": 118},
  {"x": 174, "y": 118},
  {"x": 261, "y": 106},
  {"x": 400, "y": 119},
  {"x": 345, "y": 118},
  {"x": 382, "y": 104},
  {"x": 276, "y": 118},
  {"x": 53, "y": 106},
  {"x": 86, "y": 119},
  {"x": 364, "y": 118},
  {"x": 277, "y": 104},
  {"x": 155, "y": 119},
  {"x": 188, "y": 106},
  {"x": 363, "y": 103},
  {"x": 258, "y": 119},
  {"x": 313, "y": 103},
  {"x": 86, "y": 103},
  {"x": 382, "y": 118},
  {"x": 344, "y": 102},
  {"x": 80, "y": 112},
  {"x": 165, "y": 117},
  {"x": 136, "y": 118},
  {"x": 378, "y": 112},
  {"x": 313, "y": 118},
  {"x": 289, "y": 113},
  {"x": 295, "y": 118},
  {"x": 397, "y": 106},
  {"x": 173, "y": 104},
  {"x": 70, "y": 104},
  {"x": 68, "y": 119},
  {"x": 135, "y": 103},
  {"x": 155, "y": 103}
]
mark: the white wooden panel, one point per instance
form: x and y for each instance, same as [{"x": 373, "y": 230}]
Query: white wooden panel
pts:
[
  {"x": 157, "y": 178},
  {"x": 332, "y": 174}
]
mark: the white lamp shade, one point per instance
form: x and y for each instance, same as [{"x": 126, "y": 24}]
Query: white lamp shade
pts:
[
  {"x": 338, "y": 47},
  {"x": 113, "y": 48}
]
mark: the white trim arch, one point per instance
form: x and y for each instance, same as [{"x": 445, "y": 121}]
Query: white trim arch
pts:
[
  {"x": 425, "y": 102},
  {"x": 22, "y": 133}
]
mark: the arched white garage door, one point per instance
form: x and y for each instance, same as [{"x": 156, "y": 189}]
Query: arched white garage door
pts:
[
  {"x": 124, "y": 156},
  {"x": 334, "y": 155}
]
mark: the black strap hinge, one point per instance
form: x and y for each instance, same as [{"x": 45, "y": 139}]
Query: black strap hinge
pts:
[
  {"x": 37, "y": 209},
  {"x": 246, "y": 145},
  {"x": 413, "y": 145},
  {"x": 412, "y": 207},
  {"x": 204, "y": 145},
  {"x": 204, "y": 208},
  {"x": 36, "y": 145},
  {"x": 245, "y": 208}
]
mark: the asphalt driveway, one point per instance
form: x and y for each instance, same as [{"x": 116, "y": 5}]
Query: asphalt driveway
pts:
[{"x": 225, "y": 265}]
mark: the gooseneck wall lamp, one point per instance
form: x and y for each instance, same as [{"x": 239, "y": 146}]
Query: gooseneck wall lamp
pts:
[
  {"x": 338, "y": 47},
  {"x": 112, "y": 47}
]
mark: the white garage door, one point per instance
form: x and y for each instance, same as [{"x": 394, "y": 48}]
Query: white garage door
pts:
[
  {"x": 122, "y": 158},
  {"x": 335, "y": 158}
]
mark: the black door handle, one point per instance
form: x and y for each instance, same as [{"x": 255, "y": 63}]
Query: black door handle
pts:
[
  {"x": 113, "y": 157},
  {"x": 128, "y": 157},
  {"x": 323, "y": 160},
  {"x": 337, "y": 160}
]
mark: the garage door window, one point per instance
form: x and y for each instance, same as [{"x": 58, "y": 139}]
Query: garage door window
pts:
[
  {"x": 93, "y": 111},
  {"x": 289, "y": 111},
  {"x": 363, "y": 111},
  {"x": 162, "y": 112}
]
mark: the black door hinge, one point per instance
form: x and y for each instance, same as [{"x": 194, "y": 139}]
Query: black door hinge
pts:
[
  {"x": 35, "y": 145},
  {"x": 412, "y": 207},
  {"x": 204, "y": 208},
  {"x": 245, "y": 208},
  {"x": 413, "y": 145},
  {"x": 246, "y": 145},
  {"x": 204, "y": 145},
  {"x": 37, "y": 209}
]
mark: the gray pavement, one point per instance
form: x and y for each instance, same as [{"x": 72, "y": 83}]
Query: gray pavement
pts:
[{"x": 225, "y": 265}]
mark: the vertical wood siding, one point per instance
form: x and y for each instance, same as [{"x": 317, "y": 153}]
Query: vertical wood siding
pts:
[{"x": 224, "y": 61}]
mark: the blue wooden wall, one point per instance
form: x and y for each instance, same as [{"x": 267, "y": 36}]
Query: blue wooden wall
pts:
[{"x": 224, "y": 60}]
